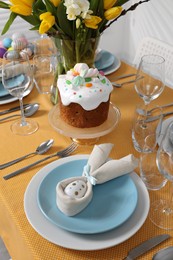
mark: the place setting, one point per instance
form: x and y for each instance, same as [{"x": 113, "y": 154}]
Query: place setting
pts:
[{"x": 84, "y": 219}]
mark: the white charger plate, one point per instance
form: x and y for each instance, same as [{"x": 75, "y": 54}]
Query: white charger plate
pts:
[{"x": 75, "y": 241}]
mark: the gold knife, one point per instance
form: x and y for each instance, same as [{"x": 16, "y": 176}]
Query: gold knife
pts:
[{"x": 146, "y": 246}]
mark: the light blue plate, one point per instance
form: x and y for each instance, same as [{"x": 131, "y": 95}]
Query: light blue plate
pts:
[
  {"x": 105, "y": 61},
  {"x": 3, "y": 91},
  {"x": 112, "y": 204}
]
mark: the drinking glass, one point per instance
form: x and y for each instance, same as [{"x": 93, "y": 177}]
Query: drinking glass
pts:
[
  {"x": 44, "y": 72},
  {"x": 17, "y": 78},
  {"x": 146, "y": 128},
  {"x": 150, "y": 78},
  {"x": 149, "y": 171},
  {"x": 162, "y": 211}
]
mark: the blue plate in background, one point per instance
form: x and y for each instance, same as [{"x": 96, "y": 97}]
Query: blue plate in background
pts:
[
  {"x": 3, "y": 91},
  {"x": 112, "y": 204},
  {"x": 106, "y": 60}
]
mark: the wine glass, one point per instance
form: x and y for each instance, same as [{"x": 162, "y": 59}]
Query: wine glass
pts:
[
  {"x": 150, "y": 78},
  {"x": 44, "y": 72},
  {"x": 17, "y": 78},
  {"x": 145, "y": 130},
  {"x": 162, "y": 210}
]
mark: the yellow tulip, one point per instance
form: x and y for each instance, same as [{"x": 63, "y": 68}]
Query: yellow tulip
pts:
[
  {"x": 92, "y": 22},
  {"x": 55, "y": 2},
  {"x": 109, "y": 3},
  {"x": 23, "y": 7},
  {"x": 113, "y": 12},
  {"x": 48, "y": 20}
]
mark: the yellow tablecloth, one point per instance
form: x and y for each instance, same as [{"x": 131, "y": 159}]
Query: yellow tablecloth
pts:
[{"x": 22, "y": 241}]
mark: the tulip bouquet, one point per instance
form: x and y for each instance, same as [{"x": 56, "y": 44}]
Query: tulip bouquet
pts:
[
  {"x": 70, "y": 19},
  {"x": 75, "y": 25}
]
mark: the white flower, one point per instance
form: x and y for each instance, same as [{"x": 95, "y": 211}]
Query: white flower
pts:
[{"x": 76, "y": 8}]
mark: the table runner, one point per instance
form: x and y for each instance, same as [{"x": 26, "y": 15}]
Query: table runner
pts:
[{"x": 21, "y": 240}]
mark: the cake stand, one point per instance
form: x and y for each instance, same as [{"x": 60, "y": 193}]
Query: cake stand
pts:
[{"x": 86, "y": 136}]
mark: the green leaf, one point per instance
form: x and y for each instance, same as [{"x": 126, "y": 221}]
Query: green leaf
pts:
[
  {"x": 38, "y": 5},
  {"x": 30, "y": 19},
  {"x": 9, "y": 22},
  {"x": 121, "y": 2},
  {"x": 4, "y": 5},
  {"x": 50, "y": 7}
]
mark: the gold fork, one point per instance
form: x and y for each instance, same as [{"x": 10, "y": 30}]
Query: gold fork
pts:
[{"x": 63, "y": 153}]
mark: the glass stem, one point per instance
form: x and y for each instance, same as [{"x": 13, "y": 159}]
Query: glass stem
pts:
[
  {"x": 23, "y": 121},
  {"x": 146, "y": 107}
]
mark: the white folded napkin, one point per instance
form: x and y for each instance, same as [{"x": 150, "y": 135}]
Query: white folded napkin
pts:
[
  {"x": 103, "y": 169},
  {"x": 70, "y": 196},
  {"x": 15, "y": 70}
]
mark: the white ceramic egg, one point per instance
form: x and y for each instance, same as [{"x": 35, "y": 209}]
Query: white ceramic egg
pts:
[{"x": 76, "y": 189}]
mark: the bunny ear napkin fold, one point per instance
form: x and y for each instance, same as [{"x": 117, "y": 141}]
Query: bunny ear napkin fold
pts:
[{"x": 74, "y": 194}]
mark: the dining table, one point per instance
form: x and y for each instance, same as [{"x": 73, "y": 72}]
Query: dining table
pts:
[{"x": 22, "y": 239}]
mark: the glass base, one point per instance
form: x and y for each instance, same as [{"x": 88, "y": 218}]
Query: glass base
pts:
[
  {"x": 161, "y": 214},
  {"x": 30, "y": 127},
  {"x": 85, "y": 141}
]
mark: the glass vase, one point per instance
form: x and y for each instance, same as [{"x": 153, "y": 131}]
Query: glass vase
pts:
[{"x": 71, "y": 52}]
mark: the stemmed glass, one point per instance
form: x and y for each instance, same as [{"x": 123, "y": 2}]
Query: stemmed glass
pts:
[
  {"x": 150, "y": 78},
  {"x": 162, "y": 210},
  {"x": 17, "y": 78}
]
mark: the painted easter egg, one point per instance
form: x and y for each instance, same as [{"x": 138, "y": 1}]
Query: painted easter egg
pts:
[
  {"x": 1, "y": 44},
  {"x": 2, "y": 51},
  {"x": 12, "y": 55},
  {"x": 7, "y": 42},
  {"x": 17, "y": 36},
  {"x": 31, "y": 46},
  {"x": 17, "y": 44},
  {"x": 24, "y": 40},
  {"x": 76, "y": 189}
]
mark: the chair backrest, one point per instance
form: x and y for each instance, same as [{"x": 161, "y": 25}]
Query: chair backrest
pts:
[{"x": 151, "y": 45}]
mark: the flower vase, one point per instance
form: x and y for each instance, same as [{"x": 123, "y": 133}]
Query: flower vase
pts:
[{"x": 71, "y": 52}]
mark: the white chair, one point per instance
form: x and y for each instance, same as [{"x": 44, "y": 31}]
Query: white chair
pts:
[{"x": 151, "y": 45}]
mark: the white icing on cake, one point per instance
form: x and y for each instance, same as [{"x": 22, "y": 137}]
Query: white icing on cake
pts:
[{"x": 84, "y": 86}]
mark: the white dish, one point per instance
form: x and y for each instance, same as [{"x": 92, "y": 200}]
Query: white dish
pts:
[
  {"x": 115, "y": 66},
  {"x": 77, "y": 241},
  {"x": 165, "y": 124}
]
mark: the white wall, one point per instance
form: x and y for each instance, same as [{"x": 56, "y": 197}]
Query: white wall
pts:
[{"x": 154, "y": 18}]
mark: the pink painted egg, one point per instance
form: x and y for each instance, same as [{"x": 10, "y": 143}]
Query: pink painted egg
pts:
[
  {"x": 1, "y": 44},
  {"x": 24, "y": 40}
]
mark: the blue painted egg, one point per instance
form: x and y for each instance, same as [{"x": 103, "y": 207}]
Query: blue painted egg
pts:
[
  {"x": 13, "y": 55},
  {"x": 2, "y": 51},
  {"x": 7, "y": 42}
]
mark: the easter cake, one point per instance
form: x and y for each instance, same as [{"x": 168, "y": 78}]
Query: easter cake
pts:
[{"x": 84, "y": 95}]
